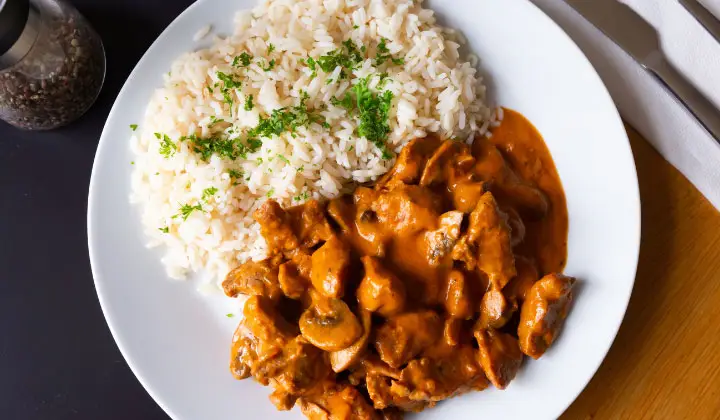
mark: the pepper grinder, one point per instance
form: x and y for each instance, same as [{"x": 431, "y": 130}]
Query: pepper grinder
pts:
[{"x": 52, "y": 63}]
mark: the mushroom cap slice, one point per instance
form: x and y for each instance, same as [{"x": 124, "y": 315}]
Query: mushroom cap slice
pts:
[
  {"x": 343, "y": 359},
  {"x": 330, "y": 325}
]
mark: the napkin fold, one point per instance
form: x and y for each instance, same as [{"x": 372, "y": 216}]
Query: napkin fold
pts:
[{"x": 641, "y": 99}]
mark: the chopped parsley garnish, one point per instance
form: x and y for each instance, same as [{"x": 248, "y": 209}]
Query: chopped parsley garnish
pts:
[
  {"x": 209, "y": 192},
  {"x": 229, "y": 315},
  {"x": 312, "y": 64},
  {"x": 271, "y": 48},
  {"x": 270, "y": 193},
  {"x": 348, "y": 58},
  {"x": 186, "y": 210},
  {"x": 285, "y": 119},
  {"x": 301, "y": 197},
  {"x": 346, "y": 102},
  {"x": 210, "y": 89},
  {"x": 270, "y": 66},
  {"x": 132, "y": 163},
  {"x": 223, "y": 147},
  {"x": 374, "y": 110},
  {"x": 133, "y": 127},
  {"x": 283, "y": 158},
  {"x": 164, "y": 229},
  {"x": 301, "y": 168},
  {"x": 259, "y": 161},
  {"x": 167, "y": 147},
  {"x": 383, "y": 54},
  {"x": 235, "y": 175},
  {"x": 214, "y": 120},
  {"x": 229, "y": 83},
  {"x": 249, "y": 103},
  {"x": 243, "y": 60},
  {"x": 350, "y": 149},
  {"x": 355, "y": 26}
]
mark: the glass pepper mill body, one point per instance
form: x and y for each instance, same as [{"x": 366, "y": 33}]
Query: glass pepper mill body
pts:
[{"x": 52, "y": 63}]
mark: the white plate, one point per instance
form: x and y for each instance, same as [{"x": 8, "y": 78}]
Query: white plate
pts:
[{"x": 177, "y": 343}]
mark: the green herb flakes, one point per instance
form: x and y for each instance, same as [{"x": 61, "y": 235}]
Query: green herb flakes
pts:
[
  {"x": 346, "y": 102},
  {"x": 186, "y": 210},
  {"x": 271, "y": 48},
  {"x": 270, "y": 65},
  {"x": 348, "y": 58},
  {"x": 312, "y": 64},
  {"x": 283, "y": 158},
  {"x": 164, "y": 229},
  {"x": 167, "y": 147},
  {"x": 133, "y": 127},
  {"x": 242, "y": 60},
  {"x": 235, "y": 176},
  {"x": 374, "y": 110},
  {"x": 249, "y": 103},
  {"x": 214, "y": 120},
  {"x": 270, "y": 193},
  {"x": 301, "y": 197},
  {"x": 383, "y": 54},
  {"x": 209, "y": 192},
  {"x": 229, "y": 315},
  {"x": 285, "y": 119},
  {"x": 223, "y": 147}
]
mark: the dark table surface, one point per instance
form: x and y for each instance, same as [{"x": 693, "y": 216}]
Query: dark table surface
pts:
[{"x": 57, "y": 357}]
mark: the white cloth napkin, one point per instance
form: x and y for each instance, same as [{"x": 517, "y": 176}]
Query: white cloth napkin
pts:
[{"x": 641, "y": 100}]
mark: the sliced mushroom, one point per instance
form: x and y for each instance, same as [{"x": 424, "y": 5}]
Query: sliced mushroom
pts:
[
  {"x": 330, "y": 325},
  {"x": 380, "y": 290},
  {"x": 343, "y": 359},
  {"x": 254, "y": 278}
]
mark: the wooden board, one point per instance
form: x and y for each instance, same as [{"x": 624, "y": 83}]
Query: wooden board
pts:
[{"x": 665, "y": 362}]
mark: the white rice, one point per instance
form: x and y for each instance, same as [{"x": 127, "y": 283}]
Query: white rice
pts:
[
  {"x": 434, "y": 91},
  {"x": 202, "y": 33}
]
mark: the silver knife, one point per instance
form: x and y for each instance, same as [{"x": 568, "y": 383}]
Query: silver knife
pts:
[
  {"x": 703, "y": 15},
  {"x": 639, "y": 39}
]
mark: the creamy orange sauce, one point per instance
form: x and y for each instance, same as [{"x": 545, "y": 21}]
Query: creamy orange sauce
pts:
[{"x": 524, "y": 148}]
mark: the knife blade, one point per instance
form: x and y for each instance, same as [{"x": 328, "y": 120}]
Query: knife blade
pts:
[
  {"x": 620, "y": 23},
  {"x": 703, "y": 15},
  {"x": 640, "y": 40}
]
